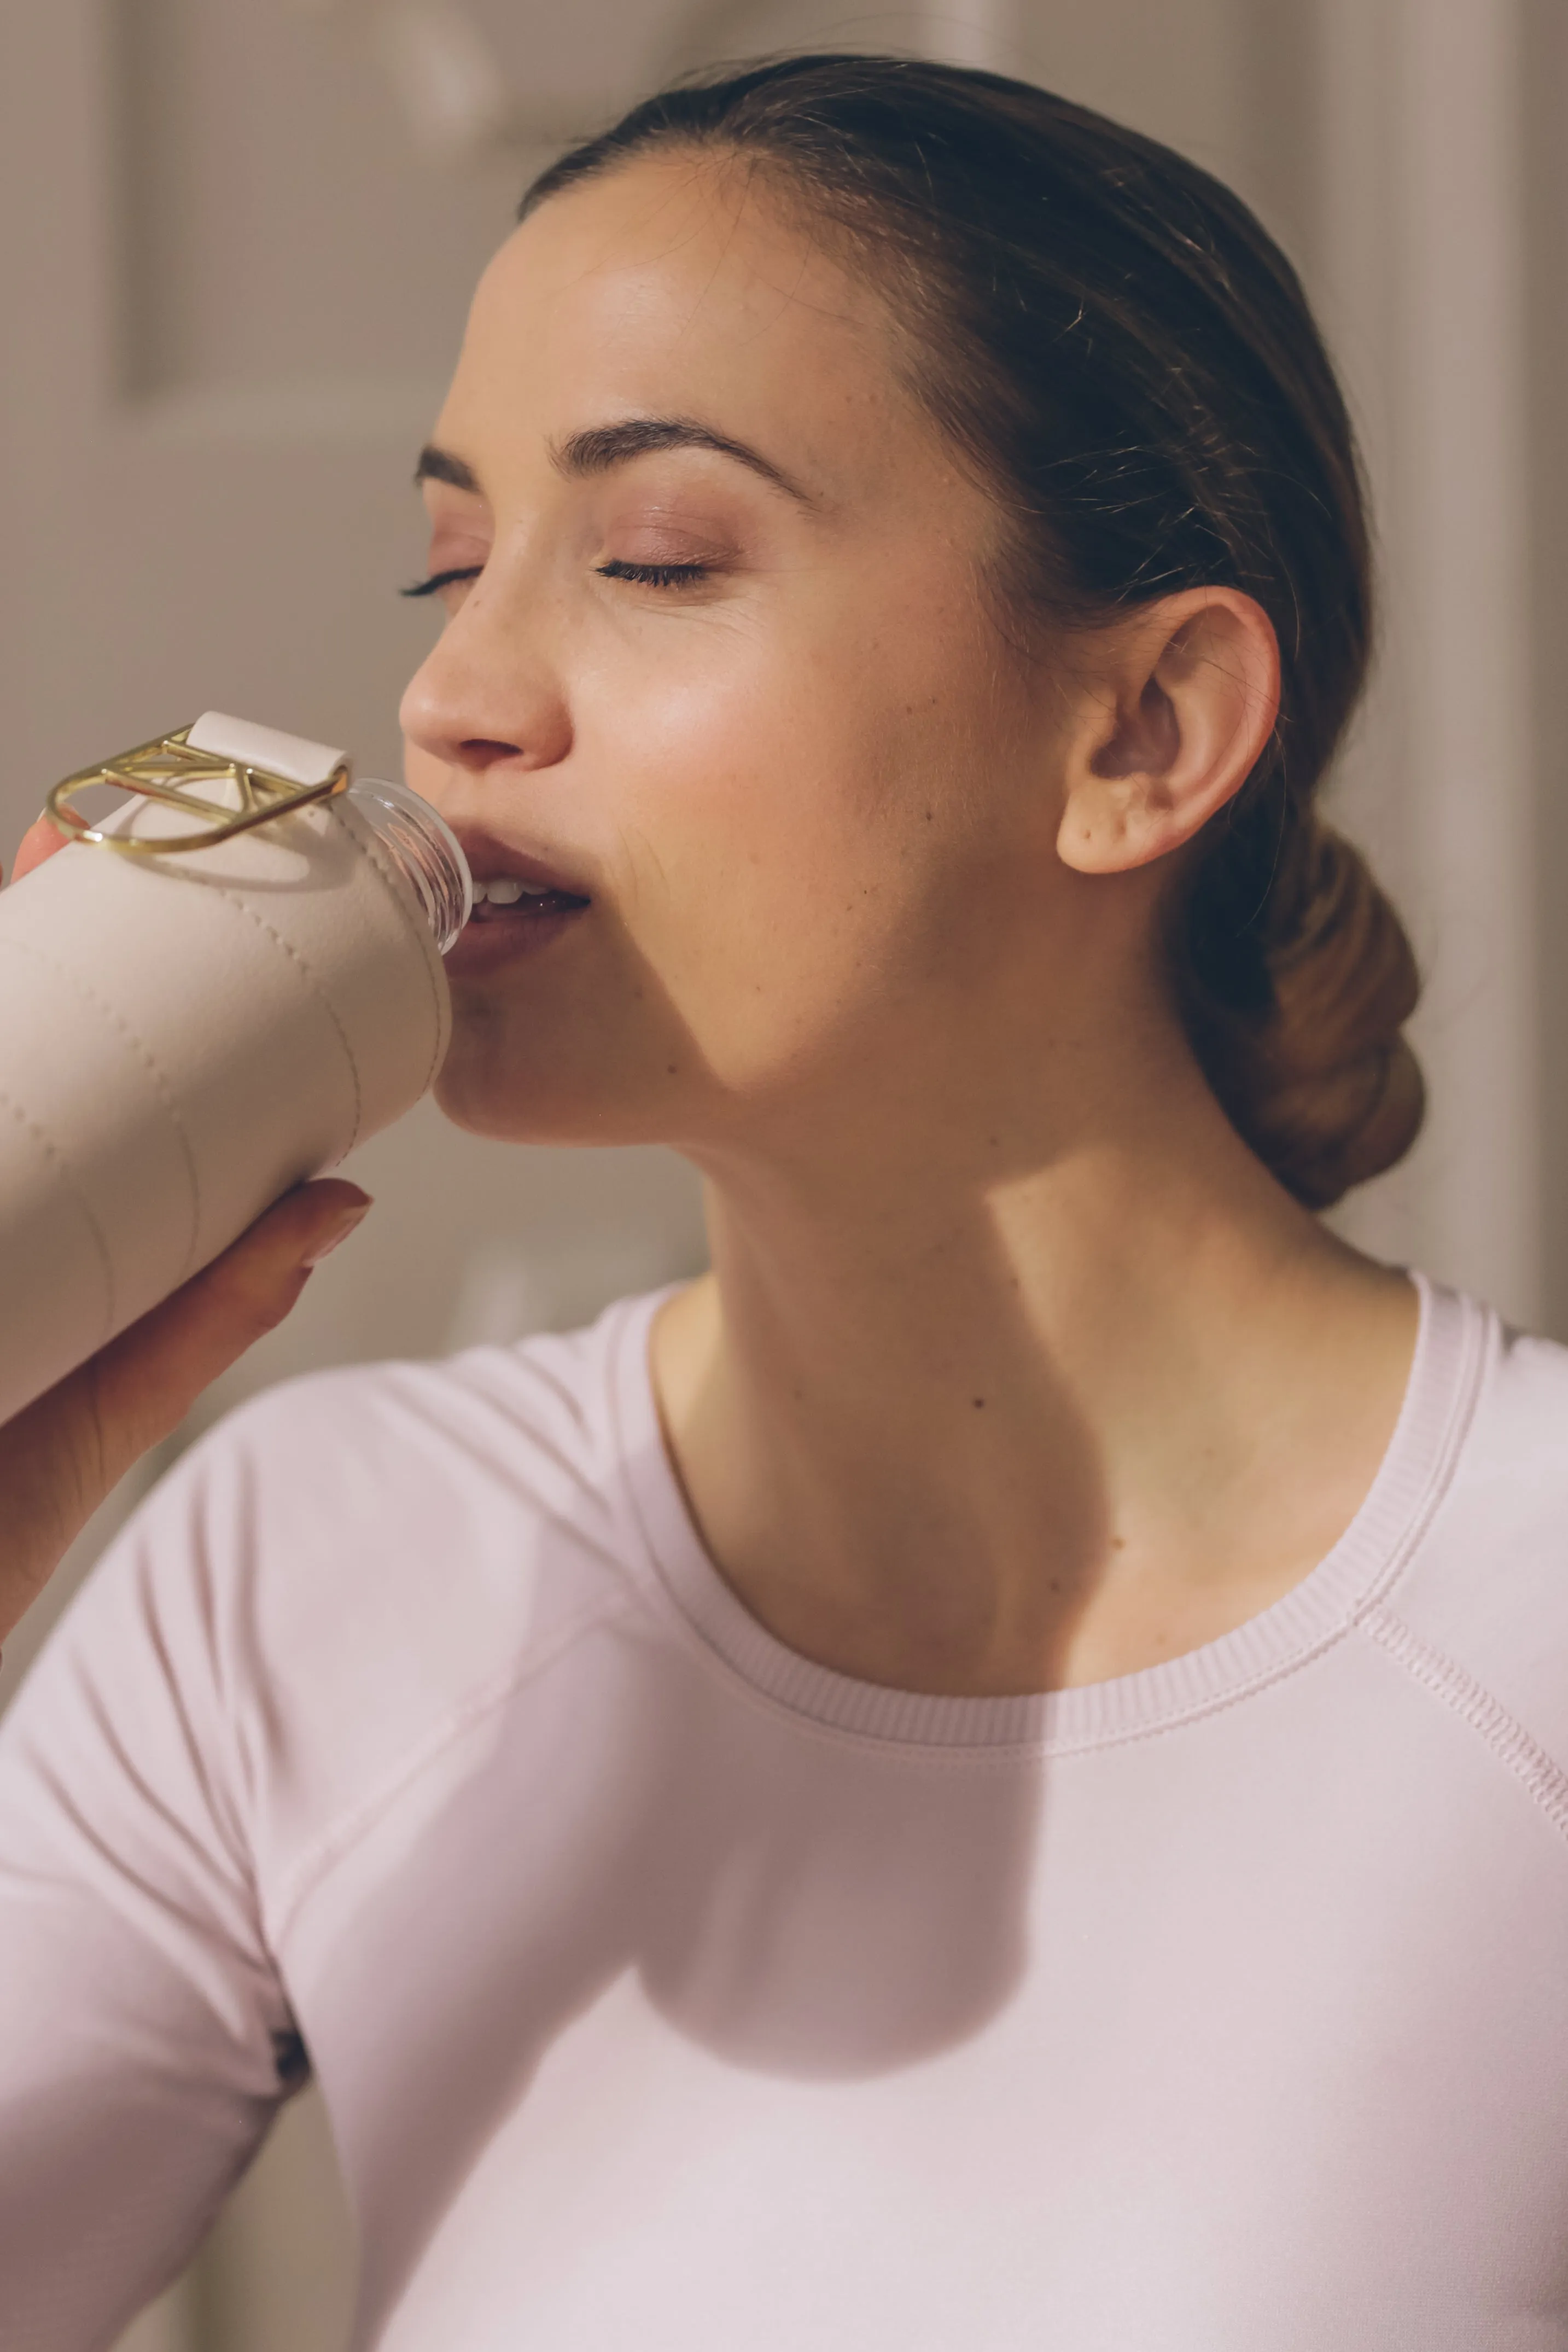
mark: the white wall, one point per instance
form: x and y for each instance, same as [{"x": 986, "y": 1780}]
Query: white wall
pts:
[{"x": 1424, "y": 275}]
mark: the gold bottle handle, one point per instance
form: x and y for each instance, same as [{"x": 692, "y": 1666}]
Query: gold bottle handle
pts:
[{"x": 168, "y": 770}]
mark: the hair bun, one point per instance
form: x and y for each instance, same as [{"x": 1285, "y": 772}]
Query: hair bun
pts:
[{"x": 1318, "y": 1078}]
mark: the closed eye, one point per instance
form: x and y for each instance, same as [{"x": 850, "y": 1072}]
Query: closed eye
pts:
[
  {"x": 656, "y": 575},
  {"x": 438, "y": 580}
]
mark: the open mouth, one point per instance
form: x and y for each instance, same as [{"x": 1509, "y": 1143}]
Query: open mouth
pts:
[
  {"x": 507, "y": 897},
  {"x": 523, "y": 905}
]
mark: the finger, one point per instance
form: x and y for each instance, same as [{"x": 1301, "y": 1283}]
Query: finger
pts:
[
  {"x": 62, "y": 1456},
  {"x": 147, "y": 1378},
  {"x": 41, "y": 840}
]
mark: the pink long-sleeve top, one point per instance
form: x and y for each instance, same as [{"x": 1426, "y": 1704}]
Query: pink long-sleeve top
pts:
[{"x": 667, "y": 1990}]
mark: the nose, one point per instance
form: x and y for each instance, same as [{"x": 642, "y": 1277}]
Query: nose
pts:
[{"x": 488, "y": 694}]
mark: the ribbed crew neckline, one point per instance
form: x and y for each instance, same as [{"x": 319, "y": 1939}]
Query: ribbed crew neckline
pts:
[{"x": 1444, "y": 1383}]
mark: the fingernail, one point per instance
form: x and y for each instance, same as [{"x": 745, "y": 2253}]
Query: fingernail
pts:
[{"x": 339, "y": 1233}]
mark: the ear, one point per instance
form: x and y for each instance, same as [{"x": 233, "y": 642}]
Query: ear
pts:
[{"x": 1179, "y": 703}]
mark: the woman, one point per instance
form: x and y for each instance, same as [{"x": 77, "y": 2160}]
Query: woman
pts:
[{"x": 988, "y": 1773}]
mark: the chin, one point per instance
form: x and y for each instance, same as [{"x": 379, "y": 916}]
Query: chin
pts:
[
  {"x": 597, "y": 1073},
  {"x": 533, "y": 1107}
]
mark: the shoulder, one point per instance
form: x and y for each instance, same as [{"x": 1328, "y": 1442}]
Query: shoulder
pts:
[
  {"x": 470, "y": 1477},
  {"x": 359, "y": 1561},
  {"x": 1486, "y": 1588},
  {"x": 1509, "y": 1489},
  {"x": 438, "y": 1451}
]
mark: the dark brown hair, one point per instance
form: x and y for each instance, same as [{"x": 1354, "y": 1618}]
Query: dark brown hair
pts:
[{"x": 1118, "y": 346}]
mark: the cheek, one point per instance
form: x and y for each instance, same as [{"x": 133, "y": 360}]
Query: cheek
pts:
[{"x": 778, "y": 867}]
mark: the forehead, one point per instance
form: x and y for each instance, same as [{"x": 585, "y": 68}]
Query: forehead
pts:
[{"x": 680, "y": 283}]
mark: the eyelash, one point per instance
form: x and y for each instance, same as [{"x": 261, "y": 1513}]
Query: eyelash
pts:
[
  {"x": 642, "y": 575},
  {"x": 442, "y": 580},
  {"x": 654, "y": 575}
]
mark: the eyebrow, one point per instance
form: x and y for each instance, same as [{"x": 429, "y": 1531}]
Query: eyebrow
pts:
[
  {"x": 602, "y": 446},
  {"x": 440, "y": 466}
]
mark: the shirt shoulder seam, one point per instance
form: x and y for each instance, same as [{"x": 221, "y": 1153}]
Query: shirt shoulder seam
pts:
[
  {"x": 1515, "y": 1749},
  {"x": 326, "y": 1851}
]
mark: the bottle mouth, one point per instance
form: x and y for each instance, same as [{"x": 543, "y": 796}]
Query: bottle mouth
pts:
[{"x": 424, "y": 849}]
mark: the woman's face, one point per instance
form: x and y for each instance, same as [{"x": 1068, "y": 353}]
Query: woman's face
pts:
[{"x": 717, "y": 667}]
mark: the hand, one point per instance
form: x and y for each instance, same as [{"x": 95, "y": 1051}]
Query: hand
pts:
[{"x": 64, "y": 1455}]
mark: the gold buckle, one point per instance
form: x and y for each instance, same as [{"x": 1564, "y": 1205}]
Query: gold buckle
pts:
[{"x": 165, "y": 770}]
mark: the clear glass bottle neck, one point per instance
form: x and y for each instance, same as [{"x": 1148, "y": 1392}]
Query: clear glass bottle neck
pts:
[{"x": 424, "y": 850}]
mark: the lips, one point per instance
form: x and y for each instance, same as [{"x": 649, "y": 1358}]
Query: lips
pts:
[
  {"x": 521, "y": 902},
  {"x": 490, "y": 860}
]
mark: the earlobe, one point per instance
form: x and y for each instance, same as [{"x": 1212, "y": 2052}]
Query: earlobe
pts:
[
  {"x": 1104, "y": 826},
  {"x": 1177, "y": 717}
]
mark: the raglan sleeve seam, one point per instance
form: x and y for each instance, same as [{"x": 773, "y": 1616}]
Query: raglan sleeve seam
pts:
[
  {"x": 1517, "y": 1750},
  {"x": 344, "y": 1833}
]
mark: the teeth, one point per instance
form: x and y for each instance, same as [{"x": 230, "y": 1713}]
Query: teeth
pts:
[{"x": 505, "y": 890}]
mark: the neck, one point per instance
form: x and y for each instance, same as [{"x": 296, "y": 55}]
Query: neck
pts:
[{"x": 1030, "y": 1417}]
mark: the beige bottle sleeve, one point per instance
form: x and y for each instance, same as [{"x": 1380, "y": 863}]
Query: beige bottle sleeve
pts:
[{"x": 185, "y": 1038}]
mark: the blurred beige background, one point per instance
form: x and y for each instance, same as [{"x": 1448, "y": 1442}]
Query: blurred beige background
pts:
[{"x": 238, "y": 241}]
